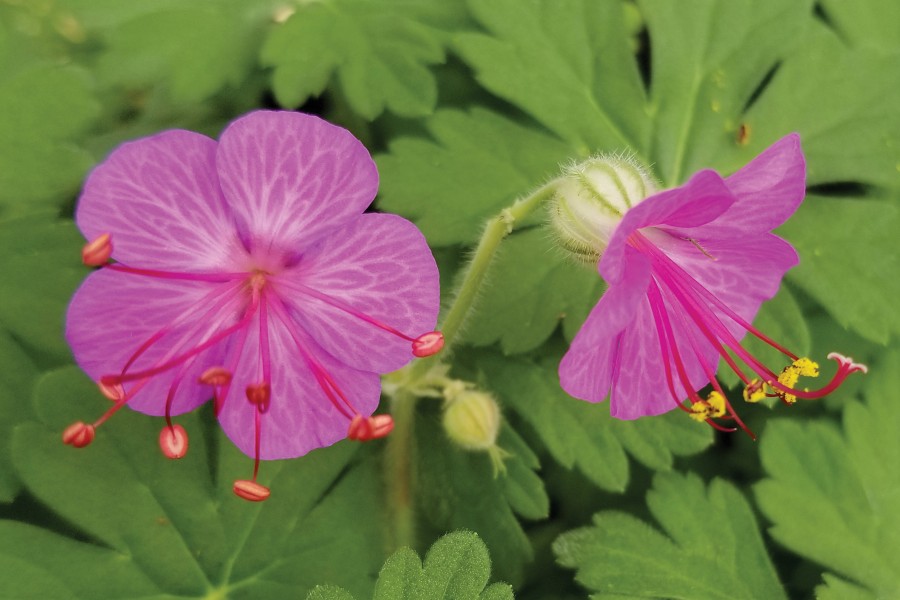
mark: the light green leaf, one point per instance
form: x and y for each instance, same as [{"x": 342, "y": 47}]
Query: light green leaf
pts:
[
  {"x": 848, "y": 480},
  {"x": 457, "y": 567},
  {"x": 708, "y": 58},
  {"x": 567, "y": 63},
  {"x": 380, "y": 52},
  {"x": 842, "y": 103},
  {"x": 478, "y": 164},
  {"x": 836, "y": 588},
  {"x": 174, "y": 528},
  {"x": 710, "y": 547},
  {"x": 43, "y": 111},
  {"x": 196, "y": 49},
  {"x": 865, "y": 22},
  {"x": 457, "y": 489},
  {"x": 40, "y": 258},
  {"x": 531, "y": 287},
  {"x": 847, "y": 247},
  {"x": 581, "y": 435}
]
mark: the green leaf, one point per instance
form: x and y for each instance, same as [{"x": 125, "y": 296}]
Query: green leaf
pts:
[
  {"x": 380, "y": 52},
  {"x": 43, "y": 111},
  {"x": 16, "y": 379},
  {"x": 195, "y": 49},
  {"x": 478, "y": 164},
  {"x": 174, "y": 528},
  {"x": 841, "y": 102},
  {"x": 581, "y": 435},
  {"x": 836, "y": 266},
  {"x": 708, "y": 58},
  {"x": 710, "y": 547},
  {"x": 531, "y": 287},
  {"x": 457, "y": 567},
  {"x": 818, "y": 474},
  {"x": 866, "y": 22},
  {"x": 567, "y": 63},
  {"x": 41, "y": 264},
  {"x": 457, "y": 489}
]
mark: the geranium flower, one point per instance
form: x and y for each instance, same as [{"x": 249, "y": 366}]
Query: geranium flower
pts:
[
  {"x": 245, "y": 271},
  {"x": 688, "y": 269}
]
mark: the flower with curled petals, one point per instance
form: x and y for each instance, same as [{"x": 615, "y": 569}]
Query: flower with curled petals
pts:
[
  {"x": 688, "y": 269},
  {"x": 246, "y": 271}
]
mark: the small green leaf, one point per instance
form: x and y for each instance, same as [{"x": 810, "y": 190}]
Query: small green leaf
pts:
[
  {"x": 380, "y": 51},
  {"x": 710, "y": 547},
  {"x": 531, "y": 287},
  {"x": 329, "y": 592},
  {"x": 174, "y": 528},
  {"x": 478, "y": 164},
  {"x": 849, "y": 480},
  {"x": 458, "y": 489},
  {"x": 579, "y": 434}
]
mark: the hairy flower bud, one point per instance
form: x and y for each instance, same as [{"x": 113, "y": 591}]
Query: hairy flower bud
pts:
[
  {"x": 472, "y": 420},
  {"x": 590, "y": 199}
]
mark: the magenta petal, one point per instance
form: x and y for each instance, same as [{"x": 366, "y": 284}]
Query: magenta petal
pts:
[
  {"x": 586, "y": 370},
  {"x": 290, "y": 177},
  {"x": 108, "y": 321},
  {"x": 300, "y": 417},
  {"x": 378, "y": 265},
  {"x": 639, "y": 386},
  {"x": 769, "y": 189},
  {"x": 159, "y": 198},
  {"x": 701, "y": 200}
]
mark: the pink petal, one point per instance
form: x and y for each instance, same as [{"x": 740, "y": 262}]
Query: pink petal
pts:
[
  {"x": 290, "y": 177},
  {"x": 769, "y": 189},
  {"x": 159, "y": 198},
  {"x": 702, "y": 199},
  {"x": 378, "y": 265},
  {"x": 300, "y": 417},
  {"x": 639, "y": 386},
  {"x": 742, "y": 273},
  {"x": 586, "y": 370},
  {"x": 112, "y": 315}
]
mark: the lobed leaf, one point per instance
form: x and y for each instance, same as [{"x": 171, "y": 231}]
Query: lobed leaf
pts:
[
  {"x": 710, "y": 547},
  {"x": 832, "y": 495}
]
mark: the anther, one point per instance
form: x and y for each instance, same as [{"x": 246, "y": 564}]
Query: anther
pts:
[
  {"x": 259, "y": 395},
  {"x": 96, "y": 253},
  {"x": 250, "y": 490},
  {"x": 215, "y": 376},
  {"x": 755, "y": 391},
  {"x": 173, "y": 441},
  {"x": 113, "y": 391},
  {"x": 428, "y": 344},
  {"x": 372, "y": 428},
  {"x": 78, "y": 434}
]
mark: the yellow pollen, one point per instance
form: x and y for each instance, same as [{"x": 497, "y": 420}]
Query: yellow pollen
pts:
[
  {"x": 792, "y": 373},
  {"x": 755, "y": 391},
  {"x": 700, "y": 411},
  {"x": 716, "y": 402}
]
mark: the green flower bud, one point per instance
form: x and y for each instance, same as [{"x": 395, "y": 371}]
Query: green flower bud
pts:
[
  {"x": 472, "y": 420},
  {"x": 590, "y": 200}
]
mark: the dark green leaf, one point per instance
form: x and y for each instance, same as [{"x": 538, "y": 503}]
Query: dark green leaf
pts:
[{"x": 710, "y": 547}]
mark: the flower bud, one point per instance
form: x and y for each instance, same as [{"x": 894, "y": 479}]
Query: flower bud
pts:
[
  {"x": 590, "y": 200},
  {"x": 472, "y": 420}
]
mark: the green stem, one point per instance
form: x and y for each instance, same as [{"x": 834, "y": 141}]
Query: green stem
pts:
[{"x": 399, "y": 472}]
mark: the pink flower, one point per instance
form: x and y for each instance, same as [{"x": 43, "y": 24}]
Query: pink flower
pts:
[
  {"x": 246, "y": 271},
  {"x": 688, "y": 269}
]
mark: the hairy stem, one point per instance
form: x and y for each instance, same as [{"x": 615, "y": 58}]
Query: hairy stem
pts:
[{"x": 399, "y": 452}]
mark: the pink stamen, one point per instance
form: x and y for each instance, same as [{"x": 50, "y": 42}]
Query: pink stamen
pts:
[
  {"x": 173, "y": 441},
  {"x": 96, "y": 253},
  {"x": 211, "y": 277},
  {"x": 366, "y": 429},
  {"x": 78, "y": 434}
]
